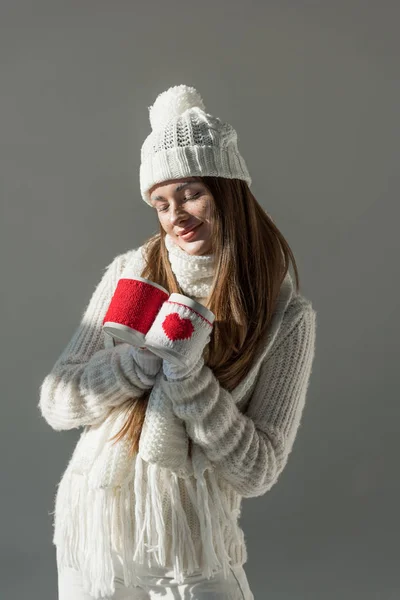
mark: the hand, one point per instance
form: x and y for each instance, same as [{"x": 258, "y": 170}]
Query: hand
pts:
[
  {"x": 175, "y": 372},
  {"x": 147, "y": 361},
  {"x": 178, "y": 373}
]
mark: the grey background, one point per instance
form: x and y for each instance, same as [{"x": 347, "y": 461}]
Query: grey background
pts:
[{"x": 313, "y": 91}]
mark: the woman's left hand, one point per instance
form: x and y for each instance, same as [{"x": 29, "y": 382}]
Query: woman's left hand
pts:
[{"x": 149, "y": 362}]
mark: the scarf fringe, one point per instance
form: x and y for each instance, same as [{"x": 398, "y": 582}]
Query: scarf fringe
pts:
[
  {"x": 180, "y": 534},
  {"x": 91, "y": 523}
]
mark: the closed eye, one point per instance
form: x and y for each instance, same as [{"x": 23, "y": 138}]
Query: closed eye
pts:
[{"x": 187, "y": 198}]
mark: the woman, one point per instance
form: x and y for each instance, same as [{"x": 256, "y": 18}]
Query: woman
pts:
[{"x": 149, "y": 504}]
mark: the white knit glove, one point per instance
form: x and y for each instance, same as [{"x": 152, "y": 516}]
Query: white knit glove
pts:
[
  {"x": 149, "y": 363},
  {"x": 177, "y": 373}
]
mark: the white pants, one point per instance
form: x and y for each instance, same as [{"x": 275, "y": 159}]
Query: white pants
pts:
[{"x": 156, "y": 583}]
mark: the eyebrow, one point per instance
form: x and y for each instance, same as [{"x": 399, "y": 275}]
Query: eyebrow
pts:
[{"x": 177, "y": 189}]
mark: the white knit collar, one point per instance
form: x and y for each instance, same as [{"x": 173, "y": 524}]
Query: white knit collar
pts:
[{"x": 194, "y": 273}]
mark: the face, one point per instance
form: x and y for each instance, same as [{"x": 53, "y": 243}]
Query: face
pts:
[{"x": 183, "y": 204}]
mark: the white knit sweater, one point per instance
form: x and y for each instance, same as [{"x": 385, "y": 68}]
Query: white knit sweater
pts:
[{"x": 165, "y": 507}]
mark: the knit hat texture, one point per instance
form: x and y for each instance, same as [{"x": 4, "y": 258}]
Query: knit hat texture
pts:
[{"x": 186, "y": 141}]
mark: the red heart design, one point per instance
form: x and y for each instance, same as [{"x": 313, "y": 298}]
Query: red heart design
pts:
[{"x": 176, "y": 328}]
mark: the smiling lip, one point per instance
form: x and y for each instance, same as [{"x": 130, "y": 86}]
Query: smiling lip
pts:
[{"x": 189, "y": 233}]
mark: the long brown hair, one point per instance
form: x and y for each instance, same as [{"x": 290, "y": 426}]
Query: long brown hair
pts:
[{"x": 251, "y": 261}]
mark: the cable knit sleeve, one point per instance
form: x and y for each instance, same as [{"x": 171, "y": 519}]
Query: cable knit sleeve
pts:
[
  {"x": 250, "y": 449},
  {"x": 88, "y": 379}
]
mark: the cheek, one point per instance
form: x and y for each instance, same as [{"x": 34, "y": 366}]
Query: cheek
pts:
[{"x": 203, "y": 210}]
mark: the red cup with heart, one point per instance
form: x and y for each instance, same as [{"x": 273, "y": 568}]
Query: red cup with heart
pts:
[
  {"x": 181, "y": 327},
  {"x": 133, "y": 308}
]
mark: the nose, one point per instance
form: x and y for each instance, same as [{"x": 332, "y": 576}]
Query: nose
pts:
[{"x": 177, "y": 215}]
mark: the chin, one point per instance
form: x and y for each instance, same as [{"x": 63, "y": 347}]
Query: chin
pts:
[{"x": 198, "y": 247}]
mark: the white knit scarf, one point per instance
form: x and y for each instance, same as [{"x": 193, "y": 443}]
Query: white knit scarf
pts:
[{"x": 193, "y": 272}]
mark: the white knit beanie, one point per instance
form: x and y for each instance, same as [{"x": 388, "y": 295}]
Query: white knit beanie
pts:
[{"x": 186, "y": 141}]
